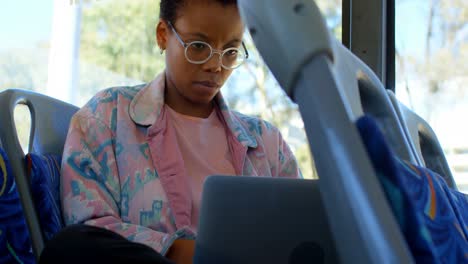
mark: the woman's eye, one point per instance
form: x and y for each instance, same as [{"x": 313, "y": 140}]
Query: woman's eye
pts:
[
  {"x": 232, "y": 52},
  {"x": 199, "y": 45}
]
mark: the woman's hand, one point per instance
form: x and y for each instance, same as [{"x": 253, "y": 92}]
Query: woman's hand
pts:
[{"x": 182, "y": 251}]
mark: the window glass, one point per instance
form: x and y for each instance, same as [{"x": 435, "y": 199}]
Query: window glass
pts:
[
  {"x": 431, "y": 72},
  {"x": 71, "y": 49}
]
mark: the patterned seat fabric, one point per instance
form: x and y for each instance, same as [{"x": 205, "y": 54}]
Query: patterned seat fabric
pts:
[
  {"x": 432, "y": 217},
  {"x": 44, "y": 172},
  {"x": 15, "y": 244}
]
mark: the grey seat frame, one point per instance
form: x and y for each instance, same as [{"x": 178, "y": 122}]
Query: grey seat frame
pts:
[
  {"x": 424, "y": 142},
  {"x": 50, "y": 119},
  {"x": 319, "y": 74}
]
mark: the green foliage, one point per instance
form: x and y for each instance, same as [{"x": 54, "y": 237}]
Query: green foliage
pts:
[
  {"x": 22, "y": 118},
  {"x": 119, "y": 35},
  {"x": 306, "y": 162},
  {"x": 23, "y": 68},
  {"x": 118, "y": 47}
]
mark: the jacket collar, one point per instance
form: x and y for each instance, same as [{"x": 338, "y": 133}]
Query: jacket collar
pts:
[{"x": 146, "y": 106}]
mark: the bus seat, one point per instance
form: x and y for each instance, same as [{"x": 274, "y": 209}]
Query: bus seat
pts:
[
  {"x": 424, "y": 141},
  {"x": 49, "y": 127},
  {"x": 432, "y": 216},
  {"x": 44, "y": 178},
  {"x": 334, "y": 89},
  {"x": 15, "y": 245},
  {"x": 365, "y": 95},
  {"x": 323, "y": 78}
]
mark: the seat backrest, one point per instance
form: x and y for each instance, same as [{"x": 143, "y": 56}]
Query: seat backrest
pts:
[
  {"x": 322, "y": 77},
  {"x": 365, "y": 95},
  {"x": 431, "y": 215},
  {"x": 15, "y": 244},
  {"x": 50, "y": 119},
  {"x": 423, "y": 140}
]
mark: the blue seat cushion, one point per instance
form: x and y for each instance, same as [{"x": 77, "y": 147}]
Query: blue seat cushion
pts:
[
  {"x": 15, "y": 244},
  {"x": 433, "y": 218},
  {"x": 44, "y": 173}
]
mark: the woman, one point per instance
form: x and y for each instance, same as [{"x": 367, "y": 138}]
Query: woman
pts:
[{"x": 136, "y": 157}]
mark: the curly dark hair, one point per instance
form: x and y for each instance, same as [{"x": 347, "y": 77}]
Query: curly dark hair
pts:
[{"x": 168, "y": 8}]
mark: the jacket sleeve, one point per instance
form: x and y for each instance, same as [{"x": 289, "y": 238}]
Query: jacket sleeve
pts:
[
  {"x": 287, "y": 163},
  {"x": 282, "y": 161},
  {"x": 90, "y": 183}
]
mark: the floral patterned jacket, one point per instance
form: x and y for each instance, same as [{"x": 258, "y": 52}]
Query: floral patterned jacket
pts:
[{"x": 122, "y": 169}]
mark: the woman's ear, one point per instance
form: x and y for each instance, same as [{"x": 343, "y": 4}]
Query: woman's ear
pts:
[{"x": 161, "y": 34}]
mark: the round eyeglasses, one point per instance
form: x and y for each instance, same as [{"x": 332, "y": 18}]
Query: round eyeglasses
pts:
[{"x": 199, "y": 52}]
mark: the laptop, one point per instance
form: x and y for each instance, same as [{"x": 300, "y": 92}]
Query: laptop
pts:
[{"x": 263, "y": 220}]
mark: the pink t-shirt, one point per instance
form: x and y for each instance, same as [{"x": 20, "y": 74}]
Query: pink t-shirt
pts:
[{"x": 204, "y": 147}]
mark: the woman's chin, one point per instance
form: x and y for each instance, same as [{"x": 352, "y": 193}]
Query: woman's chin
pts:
[
  {"x": 204, "y": 89},
  {"x": 203, "y": 94}
]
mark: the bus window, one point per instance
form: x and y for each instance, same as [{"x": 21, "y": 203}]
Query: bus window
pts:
[
  {"x": 431, "y": 72},
  {"x": 72, "y": 49},
  {"x": 24, "y": 52}
]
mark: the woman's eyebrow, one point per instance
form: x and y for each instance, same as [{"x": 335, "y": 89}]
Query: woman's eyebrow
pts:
[
  {"x": 234, "y": 41},
  {"x": 199, "y": 35},
  {"x": 205, "y": 37}
]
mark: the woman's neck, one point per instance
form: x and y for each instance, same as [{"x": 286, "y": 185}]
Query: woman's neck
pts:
[
  {"x": 190, "y": 109},
  {"x": 185, "y": 106}
]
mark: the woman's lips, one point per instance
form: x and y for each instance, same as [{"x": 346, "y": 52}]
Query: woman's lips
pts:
[{"x": 208, "y": 84}]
